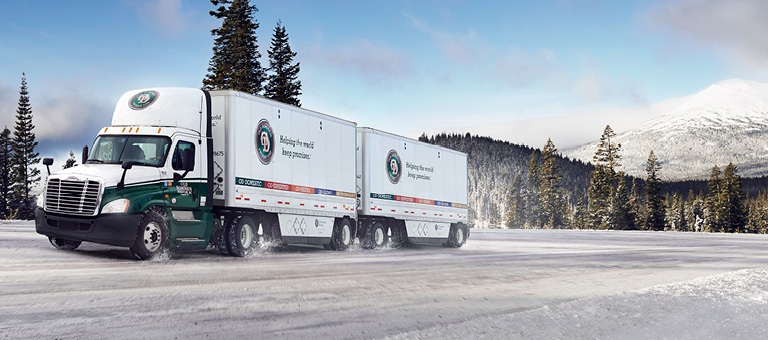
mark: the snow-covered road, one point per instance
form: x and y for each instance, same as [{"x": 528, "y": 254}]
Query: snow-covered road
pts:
[{"x": 502, "y": 284}]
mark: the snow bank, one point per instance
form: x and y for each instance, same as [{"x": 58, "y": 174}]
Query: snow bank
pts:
[{"x": 726, "y": 306}]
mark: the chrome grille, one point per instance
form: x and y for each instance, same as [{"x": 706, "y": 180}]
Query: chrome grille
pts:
[{"x": 72, "y": 196}]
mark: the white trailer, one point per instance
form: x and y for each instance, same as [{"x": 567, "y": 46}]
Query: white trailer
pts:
[
  {"x": 410, "y": 191},
  {"x": 284, "y": 164}
]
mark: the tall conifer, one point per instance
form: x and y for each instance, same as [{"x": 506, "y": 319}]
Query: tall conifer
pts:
[
  {"x": 735, "y": 213},
  {"x": 235, "y": 62},
  {"x": 24, "y": 175},
  {"x": 283, "y": 82},
  {"x": 602, "y": 186},
  {"x": 655, "y": 209},
  {"x": 552, "y": 206},
  {"x": 532, "y": 195}
]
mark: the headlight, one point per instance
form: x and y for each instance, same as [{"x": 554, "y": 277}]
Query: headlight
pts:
[
  {"x": 41, "y": 200},
  {"x": 117, "y": 206}
]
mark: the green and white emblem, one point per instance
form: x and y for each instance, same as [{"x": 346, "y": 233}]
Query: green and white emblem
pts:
[
  {"x": 143, "y": 99},
  {"x": 265, "y": 142},
  {"x": 394, "y": 166}
]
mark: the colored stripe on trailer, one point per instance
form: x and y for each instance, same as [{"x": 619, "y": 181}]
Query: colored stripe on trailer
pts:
[
  {"x": 409, "y": 199},
  {"x": 257, "y": 183}
]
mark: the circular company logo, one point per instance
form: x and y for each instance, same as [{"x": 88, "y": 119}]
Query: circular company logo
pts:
[
  {"x": 394, "y": 167},
  {"x": 143, "y": 99},
  {"x": 265, "y": 141}
]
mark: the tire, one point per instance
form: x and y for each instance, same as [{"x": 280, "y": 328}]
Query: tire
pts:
[
  {"x": 342, "y": 235},
  {"x": 399, "y": 237},
  {"x": 220, "y": 235},
  {"x": 376, "y": 236},
  {"x": 457, "y": 236},
  {"x": 243, "y": 237},
  {"x": 62, "y": 244},
  {"x": 151, "y": 236}
]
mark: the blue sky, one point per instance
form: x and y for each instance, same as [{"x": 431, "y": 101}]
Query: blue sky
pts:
[{"x": 521, "y": 71}]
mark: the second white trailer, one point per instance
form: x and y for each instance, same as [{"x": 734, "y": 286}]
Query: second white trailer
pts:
[{"x": 409, "y": 191}]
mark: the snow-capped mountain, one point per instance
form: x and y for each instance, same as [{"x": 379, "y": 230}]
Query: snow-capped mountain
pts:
[{"x": 726, "y": 122}]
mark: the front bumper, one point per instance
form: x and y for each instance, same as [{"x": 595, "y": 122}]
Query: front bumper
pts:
[{"x": 117, "y": 230}]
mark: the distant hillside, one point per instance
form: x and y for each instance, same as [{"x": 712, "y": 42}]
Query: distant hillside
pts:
[
  {"x": 493, "y": 165},
  {"x": 726, "y": 122}
]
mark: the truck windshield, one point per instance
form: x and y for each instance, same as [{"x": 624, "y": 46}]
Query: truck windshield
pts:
[{"x": 141, "y": 150}]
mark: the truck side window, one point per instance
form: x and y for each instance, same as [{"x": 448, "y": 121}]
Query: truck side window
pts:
[{"x": 176, "y": 162}]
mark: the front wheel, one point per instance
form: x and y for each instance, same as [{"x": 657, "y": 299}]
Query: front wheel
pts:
[
  {"x": 151, "y": 236},
  {"x": 243, "y": 237},
  {"x": 63, "y": 244}
]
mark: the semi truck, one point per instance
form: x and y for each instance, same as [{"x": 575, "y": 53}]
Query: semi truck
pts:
[{"x": 187, "y": 169}]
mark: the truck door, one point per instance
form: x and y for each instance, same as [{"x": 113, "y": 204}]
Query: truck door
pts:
[{"x": 185, "y": 194}]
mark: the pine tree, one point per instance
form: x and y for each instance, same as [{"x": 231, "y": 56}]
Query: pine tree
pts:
[
  {"x": 283, "y": 82},
  {"x": 24, "y": 175},
  {"x": 6, "y": 157},
  {"x": 602, "y": 186},
  {"x": 550, "y": 197},
  {"x": 622, "y": 212},
  {"x": 608, "y": 152},
  {"x": 735, "y": 213},
  {"x": 715, "y": 206},
  {"x": 235, "y": 63},
  {"x": 655, "y": 209},
  {"x": 71, "y": 161},
  {"x": 757, "y": 221},
  {"x": 532, "y": 195}
]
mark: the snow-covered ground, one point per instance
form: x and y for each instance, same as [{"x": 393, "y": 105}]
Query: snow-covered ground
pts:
[{"x": 528, "y": 284}]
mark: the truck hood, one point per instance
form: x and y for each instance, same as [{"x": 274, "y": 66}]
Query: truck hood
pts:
[{"x": 109, "y": 174}]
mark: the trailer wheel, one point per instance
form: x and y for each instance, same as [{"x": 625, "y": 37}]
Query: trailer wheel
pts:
[
  {"x": 220, "y": 235},
  {"x": 375, "y": 237},
  {"x": 457, "y": 236},
  {"x": 243, "y": 237},
  {"x": 151, "y": 236},
  {"x": 62, "y": 244},
  {"x": 342, "y": 235},
  {"x": 399, "y": 236}
]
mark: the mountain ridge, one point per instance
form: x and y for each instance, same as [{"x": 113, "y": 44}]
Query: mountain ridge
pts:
[{"x": 726, "y": 122}]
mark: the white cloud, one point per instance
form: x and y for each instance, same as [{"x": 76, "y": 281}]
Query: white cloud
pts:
[
  {"x": 168, "y": 15},
  {"x": 467, "y": 49},
  {"x": 375, "y": 64},
  {"x": 518, "y": 68},
  {"x": 737, "y": 27}
]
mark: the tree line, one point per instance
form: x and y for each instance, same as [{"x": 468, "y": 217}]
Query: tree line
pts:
[{"x": 552, "y": 193}]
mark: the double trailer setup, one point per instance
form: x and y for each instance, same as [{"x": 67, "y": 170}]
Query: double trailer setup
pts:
[{"x": 183, "y": 168}]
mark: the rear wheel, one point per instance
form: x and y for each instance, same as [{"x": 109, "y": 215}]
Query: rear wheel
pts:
[
  {"x": 342, "y": 235},
  {"x": 376, "y": 236},
  {"x": 243, "y": 237},
  {"x": 457, "y": 236},
  {"x": 63, "y": 244},
  {"x": 151, "y": 236}
]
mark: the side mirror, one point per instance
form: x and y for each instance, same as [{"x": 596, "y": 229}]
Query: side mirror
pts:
[
  {"x": 126, "y": 166},
  {"x": 85, "y": 154},
  {"x": 48, "y": 162}
]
